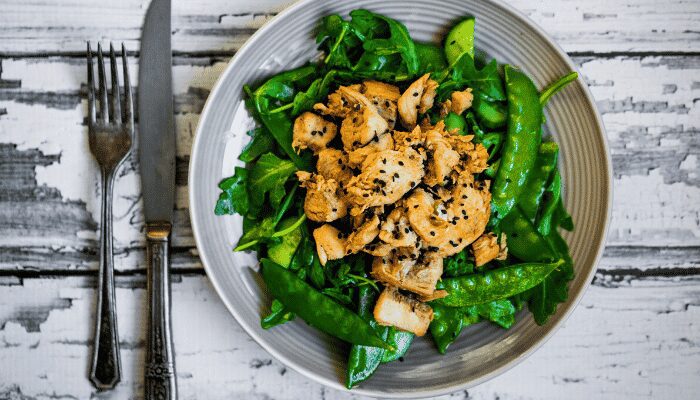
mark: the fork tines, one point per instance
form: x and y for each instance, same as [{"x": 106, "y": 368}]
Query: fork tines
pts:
[{"x": 116, "y": 111}]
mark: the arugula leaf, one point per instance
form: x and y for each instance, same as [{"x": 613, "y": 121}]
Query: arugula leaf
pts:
[
  {"x": 234, "y": 196},
  {"x": 399, "y": 41},
  {"x": 486, "y": 82},
  {"x": 261, "y": 143},
  {"x": 278, "y": 315},
  {"x": 269, "y": 174}
]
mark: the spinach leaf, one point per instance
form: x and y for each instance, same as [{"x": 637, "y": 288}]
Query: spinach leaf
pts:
[
  {"x": 262, "y": 142},
  {"x": 486, "y": 82},
  {"x": 399, "y": 41},
  {"x": 234, "y": 196},
  {"x": 269, "y": 174},
  {"x": 544, "y": 298},
  {"x": 501, "y": 312},
  {"x": 318, "y": 90},
  {"x": 278, "y": 315},
  {"x": 458, "y": 265}
]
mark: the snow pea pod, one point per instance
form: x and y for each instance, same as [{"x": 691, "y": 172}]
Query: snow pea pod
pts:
[
  {"x": 317, "y": 309},
  {"x": 536, "y": 185},
  {"x": 401, "y": 340},
  {"x": 545, "y": 221},
  {"x": 524, "y": 241},
  {"x": 522, "y": 140},
  {"x": 448, "y": 323},
  {"x": 364, "y": 360},
  {"x": 494, "y": 284},
  {"x": 492, "y": 114}
]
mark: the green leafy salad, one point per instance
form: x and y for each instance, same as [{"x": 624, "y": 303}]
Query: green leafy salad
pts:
[{"x": 398, "y": 188}]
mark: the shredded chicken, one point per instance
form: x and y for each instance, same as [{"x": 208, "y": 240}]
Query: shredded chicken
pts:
[
  {"x": 417, "y": 98},
  {"x": 378, "y": 143},
  {"x": 461, "y": 101},
  {"x": 452, "y": 220},
  {"x": 403, "y": 312},
  {"x": 363, "y": 236},
  {"x": 323, "y": 202},
  {"x": 485, "y": 249},
  {"x": 333, "y": 164},
  {"x": 384, "y": 178},
  {"x": 396, "y": 230},
  {"x": 442, "y": 158},
  {"x": 384, "y": 97},
  {"x": 363, "y": 123},
  {"x": 409, "y": 269},
  {"x": 330, "y": 243},
  {"x": 408, "y": 198},
  {"x": 313, "y": 132}
]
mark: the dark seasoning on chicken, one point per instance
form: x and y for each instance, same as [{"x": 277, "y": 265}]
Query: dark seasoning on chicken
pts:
[
  {"x": 409, "y": 193},
  {"x": 398, "y": 188}
]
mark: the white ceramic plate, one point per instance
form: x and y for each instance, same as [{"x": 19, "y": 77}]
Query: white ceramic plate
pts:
[{"x": 482, "y": 351}]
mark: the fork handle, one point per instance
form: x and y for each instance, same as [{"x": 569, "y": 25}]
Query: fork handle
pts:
[
  {"x": 105, "y": 371},
  {"x": 160, "y": 360}
]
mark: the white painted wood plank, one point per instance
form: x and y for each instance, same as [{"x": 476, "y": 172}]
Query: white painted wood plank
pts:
[
  {"x": 50, "y": 221},
  {"x": 639, "y": 340},
  {"x": 32, "y": 27}
]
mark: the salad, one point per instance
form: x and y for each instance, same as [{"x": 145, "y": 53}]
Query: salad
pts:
[{"x": 396, "y": 188}]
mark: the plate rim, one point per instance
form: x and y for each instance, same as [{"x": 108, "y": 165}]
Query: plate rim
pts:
[{"x": 335, "y": 384}]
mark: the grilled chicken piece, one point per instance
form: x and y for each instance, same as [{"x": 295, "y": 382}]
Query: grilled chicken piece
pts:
[
  {"x": 378, "y": 248},
  {"x": 323, "y": 202},
  {"x": 409, "y": 269},
  {"x": 415, "y": 140},
  {"x": 485, "y": 249},
  {"x": 418, "y": 97},
  {"x": 313, "y": 132},
  {"x": 363, "y": 123},
  {"x": 442, "y": 158},
  {"x": 386, "y": 176},
  {"x": 428, "y": 97},
  {"x": 338, "y": 105},
  {"x": 378, "y": 143},
  {"x": 403, "y": 312},
  {"x": 455, "y": 218},
  {"x": 362, "y": 236},
  {"x": 396, "y": 230},
  {"x": 384, "y": 97},
  {"x": 438, "y": 294},
  {"x": 330, "y": 243},
  {"x": 333, "y": 164},
  {"x": 474, "y": 156},
  {"x": 461, "y": 101}
]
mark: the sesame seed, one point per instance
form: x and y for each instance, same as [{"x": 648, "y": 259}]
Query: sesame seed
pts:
[
  {"x": 401, "y": 163},
  {"x": 415, "y": 94}
]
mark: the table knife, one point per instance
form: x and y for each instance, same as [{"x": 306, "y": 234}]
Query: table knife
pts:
[{"x": 157, "y": 166}]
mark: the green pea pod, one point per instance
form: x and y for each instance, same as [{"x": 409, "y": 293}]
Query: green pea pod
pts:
[
  {"x": 524, "y": 241},
  {"x": 460, "y": 40},
  {"x": 317, "y": 309},
  {"x": 536, "y": 185},
  {"x": 448, "y": 323},
  {"x": 492, "y": 141},
  {"x": 493, "y": 284},
  {"x": 522, "y": 141},
  {"x": 492, "y": 115},
  {"x": 364, "y": 360},
  {"x": 401, "y": 341},
  {"x": 562, "y": 217},
  {"x": 455, "y": 121},
  {"x": 544, "y": 222}
]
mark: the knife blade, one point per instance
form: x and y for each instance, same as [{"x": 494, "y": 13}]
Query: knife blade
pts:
[
  {"x": 156, "y": 122},
  {"x": 157, "y": 166}
]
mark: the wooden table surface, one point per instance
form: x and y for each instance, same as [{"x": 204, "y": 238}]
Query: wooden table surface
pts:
[{"x": 635, "y": 335}]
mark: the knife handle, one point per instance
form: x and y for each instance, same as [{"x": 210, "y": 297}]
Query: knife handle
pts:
[{"x": 159, "y": 379}]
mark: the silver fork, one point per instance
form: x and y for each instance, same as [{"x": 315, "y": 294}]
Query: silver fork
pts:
[{"x": 110, "y": 134}]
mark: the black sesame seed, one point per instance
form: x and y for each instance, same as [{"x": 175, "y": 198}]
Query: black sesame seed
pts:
[
  {"x": 365, "y": 195},
  {"x": 432, "y": 233},
  {"x": 415, "y": 94},
  {"x": 401, "y": 163}
]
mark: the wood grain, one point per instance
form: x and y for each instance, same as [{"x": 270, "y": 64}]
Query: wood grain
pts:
[
  {"x": 611, "y": 346},
  {"x": 49, "y": 221},
  {"x": 209, "y": 26}
]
